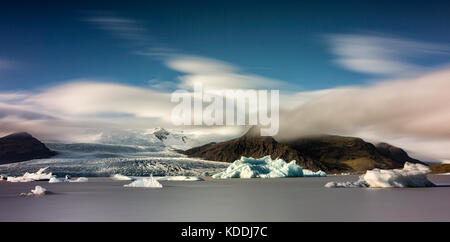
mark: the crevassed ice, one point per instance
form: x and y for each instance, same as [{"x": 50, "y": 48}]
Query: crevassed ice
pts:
[
  {"x": 265, "y": 167},
  {"x": 412, "y": 175}
]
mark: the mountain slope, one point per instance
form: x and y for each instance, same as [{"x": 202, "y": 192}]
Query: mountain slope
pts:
[
  {"x": 21, "y": 147},
  {"x": 329, "y": 153},
  {"x": 249, "y": 145}
]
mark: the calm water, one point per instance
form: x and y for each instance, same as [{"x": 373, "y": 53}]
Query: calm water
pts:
[{"x": 293, "y": 199}]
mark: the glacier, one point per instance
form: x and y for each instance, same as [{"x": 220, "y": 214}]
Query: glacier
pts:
[
  {"x": 265, "y": 167},
  {"x": 412, "y": 175},
  {"x": 100, "y": 160}
]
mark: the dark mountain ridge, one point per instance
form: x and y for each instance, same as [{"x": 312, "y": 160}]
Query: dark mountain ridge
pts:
[
  {"x": 22, "y": 146},
  {"x": 330, "y": 153}
]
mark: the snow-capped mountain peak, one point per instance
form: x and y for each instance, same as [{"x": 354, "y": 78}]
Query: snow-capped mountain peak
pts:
[{"x": 172, "y": 138}]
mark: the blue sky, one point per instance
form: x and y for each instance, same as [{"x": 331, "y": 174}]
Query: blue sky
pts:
[{"x": 47, "y": 42}]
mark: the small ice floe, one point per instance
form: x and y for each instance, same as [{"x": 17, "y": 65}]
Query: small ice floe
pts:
[
  {"x": 149, "y": 182},
  {"x": 265, "y": 167},
  {"x": 57, "y": 180},
  {"x": 79, "y": 179},
  {"x": 29, "y": 177},
  {"x": 178, "y": 178},
  {"x": 359, "y": 183},
  {"x": 37, "y": 191},
  {"x": 120, "y": 177},
  {"x": 412, "y": 175}
]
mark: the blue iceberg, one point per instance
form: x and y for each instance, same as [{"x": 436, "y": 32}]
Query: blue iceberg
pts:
[{"x": 265, "y": 167}]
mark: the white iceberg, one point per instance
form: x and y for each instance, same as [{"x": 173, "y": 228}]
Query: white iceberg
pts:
[
  {"x": 412, "y": 175},
  {"x": 79, "y": 179},
  {"x": 29, "y": 177},
  {"x": 120, "y": 177},
  {"x": 265, "y": 167},
  {"x": 149, "y": 182},
  {"x": 38, "y": 190},
  {"x": 55, "y": 180},
  {"x": 359, "y": 183},
  {"x": 178, "y": 178}
]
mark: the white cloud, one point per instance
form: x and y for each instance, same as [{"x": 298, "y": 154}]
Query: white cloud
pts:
[
  {"x": 376, "y": 54},
  {"x": 214, "y": 74},
  {"x": 415, "y": 108},
  {"x": 90, "y": 98}
]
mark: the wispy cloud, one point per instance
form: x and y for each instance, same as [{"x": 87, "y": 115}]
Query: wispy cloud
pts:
[
  {"x": 381, "y": 55},
  {"x": 134, "y": 32},
  {"x": 212, "y": 73},
  {"x": 125, "y": 28}
]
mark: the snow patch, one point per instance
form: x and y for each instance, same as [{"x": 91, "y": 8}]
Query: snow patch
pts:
[
  {"x": 29, "y": 177},
  {"x": 265, "y": 168},
  {"x": 37, "y": 191},
  {"x": 412, "y": 175},
  {"x": 149, "y": 182}
]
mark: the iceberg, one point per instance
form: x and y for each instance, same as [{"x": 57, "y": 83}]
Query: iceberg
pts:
[
  {"x": 79, "y": 179},
  {"x": 179, "y": 178},
  {"x": 412, "y": 175},
  {"x": 359, "y": 183},
  {"x": 120, "y": 177},
  {"x": 29, "y": 177},
  {"x": 265, "y": 167},
  {"x": 55, "y": 180},
  {"x": 149, "y": 182},
  {"x": 38, "y": 190}
]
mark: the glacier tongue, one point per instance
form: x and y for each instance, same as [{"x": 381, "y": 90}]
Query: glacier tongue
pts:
[{"x": 265, "y": 167}]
